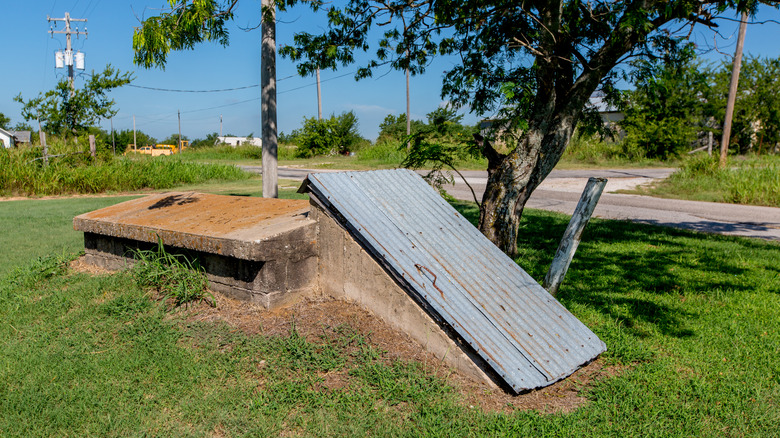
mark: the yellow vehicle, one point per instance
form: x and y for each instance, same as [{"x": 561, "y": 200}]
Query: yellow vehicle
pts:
[
  {"x": 159, "y": 149},
  {"x": 172, "y": 149}
]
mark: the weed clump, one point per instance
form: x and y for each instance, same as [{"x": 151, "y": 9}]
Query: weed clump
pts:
[{"x": 174, "y": 276}]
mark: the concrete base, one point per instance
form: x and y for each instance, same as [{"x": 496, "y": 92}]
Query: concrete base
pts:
[
  {"x": 272, "y": 284},
  {"x": 347, "y": 271},
  {"x": 270, "y": 252},
  {"x": 257, "y": 250}
]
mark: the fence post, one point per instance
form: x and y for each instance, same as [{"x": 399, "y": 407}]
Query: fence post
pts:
[
  {"x": 92, "y": 148},
  {"x": 573, "y": 234}
]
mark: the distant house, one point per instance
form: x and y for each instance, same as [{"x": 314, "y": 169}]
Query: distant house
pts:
[
  {"x": 22, "y": 136},
  {"x": 7, "y": 138},
  {"x": 237, "y": 141}
]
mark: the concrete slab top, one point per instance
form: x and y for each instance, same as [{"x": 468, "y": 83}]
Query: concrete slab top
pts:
[{"x": 240, "y": 227}]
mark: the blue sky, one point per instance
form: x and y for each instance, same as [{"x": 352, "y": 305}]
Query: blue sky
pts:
[{"x": 30, "y": 49}]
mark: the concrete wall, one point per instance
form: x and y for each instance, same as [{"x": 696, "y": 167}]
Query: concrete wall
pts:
[
  {"x": 271, "y": 283},
  {"x": 347, "y": 271}
]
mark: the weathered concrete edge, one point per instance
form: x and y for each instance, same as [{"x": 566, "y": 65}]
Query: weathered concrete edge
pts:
[
  {"x": 348, "y": 271},
  {"x": 272, "y": 247}
]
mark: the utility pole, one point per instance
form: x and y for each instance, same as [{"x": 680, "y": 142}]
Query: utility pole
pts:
[
  {"x": 268, "y": 99},
  {"x": 178, "y": 112},
  {"x": 220, "y": 125},
  {"x": 319, "y": 96},
  {"x": 67, "y": 57},
  {"x": 135, "y": 145},
  {"x": 724, "y": 141},
  {"x": 408, "y": 119}
]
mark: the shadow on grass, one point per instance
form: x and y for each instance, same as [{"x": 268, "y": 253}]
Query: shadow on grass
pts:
[{"x": 638, "y": 275}]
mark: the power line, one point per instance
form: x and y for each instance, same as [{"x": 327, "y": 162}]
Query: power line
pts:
[
  {"x": 192, "y": 91},
  {"x": 175, "y": 90}
]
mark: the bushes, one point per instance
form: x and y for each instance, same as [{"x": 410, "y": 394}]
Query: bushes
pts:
[
  {"x": 79, "y": 173},
  {"x": 328, "y": 136}
]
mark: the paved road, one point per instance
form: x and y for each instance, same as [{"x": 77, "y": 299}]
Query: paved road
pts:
[{"x": 561, "y": 191}]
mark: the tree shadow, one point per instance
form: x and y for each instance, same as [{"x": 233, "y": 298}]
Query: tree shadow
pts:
[{"x": 628, "y": 272}]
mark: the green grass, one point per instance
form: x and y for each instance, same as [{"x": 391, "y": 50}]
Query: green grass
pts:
[
  {"x": 384, "y": 155},
  {"x": 38, "y": 228},
  {"x": 72, "y": 174},
  {"x": 746, "y": 180},
  {"x": 586, "y": 152},
  {"x": 176, "y": 277},
  {"x": 691, "y": 321}
]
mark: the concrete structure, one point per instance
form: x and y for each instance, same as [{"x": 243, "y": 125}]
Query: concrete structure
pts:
[
  {"x": 253, "y": 249},
  {"x": 237, "y": 141},
  {"x": 7, "y": 139},
  {"x": 348, "y": 272},
  {"x": 273, "y": 252}
]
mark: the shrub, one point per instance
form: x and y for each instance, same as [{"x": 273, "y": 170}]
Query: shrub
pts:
[{"x": 328, "y": 136}]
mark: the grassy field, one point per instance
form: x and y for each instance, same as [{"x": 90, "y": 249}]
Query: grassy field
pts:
[
  {"x": 691, "y": 321},
  {"x": 76, "y": 173},
  {"x": 747, "y": 180}
]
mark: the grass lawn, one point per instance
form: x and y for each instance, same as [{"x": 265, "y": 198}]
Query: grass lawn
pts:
[
  {"x": 691, "y": 321},
  {"x": 746, "y": 180}
]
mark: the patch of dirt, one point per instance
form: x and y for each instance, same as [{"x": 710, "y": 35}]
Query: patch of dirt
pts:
[
  {"x": 141, "y": 192},
  {"x": 314, "y": 317},
  {"x": 79, "y": 265}
]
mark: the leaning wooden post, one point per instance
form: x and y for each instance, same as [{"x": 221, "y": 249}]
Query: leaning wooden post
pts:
[{"x": 573, "y": 234}]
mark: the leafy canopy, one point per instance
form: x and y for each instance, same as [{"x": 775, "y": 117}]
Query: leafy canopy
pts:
[{"x": 60, "y": 110}]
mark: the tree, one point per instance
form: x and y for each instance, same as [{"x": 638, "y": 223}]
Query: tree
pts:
[
  {"x": 535, "y": 62},
  {"x": 174, "y": 139},
  {"x": 62, "y": 113},
  {"x": 124, "y": 139},
  {"x": 394, "y": 127},
  {"x": 4, "y": 121},
  {"x": 757, "y": 111},
  {"x": 668, "y": 106},
  {"x": 336, "y": 134},
  {"x": 210, "y": 140}
]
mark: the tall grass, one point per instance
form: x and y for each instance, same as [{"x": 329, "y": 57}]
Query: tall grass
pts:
[
  {"x": 236, "y": 153},
  {"x": 591, "y": 150},
  {"x": 753, "y": 180},
  {"x": 174, "y": 276},
  {"x": 22, "y": 174}
]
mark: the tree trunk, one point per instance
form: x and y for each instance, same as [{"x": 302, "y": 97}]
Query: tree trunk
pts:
[{"x": 512, "y": 179}]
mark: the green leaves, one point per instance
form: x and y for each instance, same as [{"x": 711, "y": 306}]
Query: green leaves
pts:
[
  {"x": 336, "y": 134},
  {"x": 184, "y": 26},
  {"x": 61, "y": 110}
]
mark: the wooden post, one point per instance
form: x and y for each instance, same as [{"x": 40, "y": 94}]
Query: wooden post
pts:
[
  {"x": 268, "y": 99},
  {"x": 42, "y": 137},
  {"x": 573, "y": 234},
  {"x": 319, "y": 97},
  {"x": 178, "y": 113},
  {"x": 113, "y": 140},
  {"x": 92, "y": 146},
  {"x": 724, "y": 141},
  {"x": 709, "y": 143}
]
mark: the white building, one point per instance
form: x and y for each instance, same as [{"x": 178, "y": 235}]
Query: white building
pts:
[
  {"x": 237, "y": 141},
  {"x": 7, "y": 139}
]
